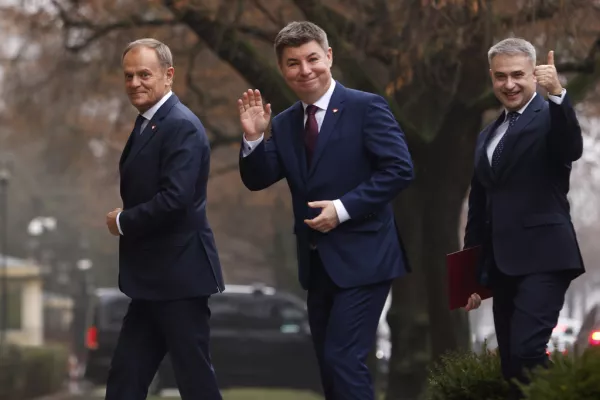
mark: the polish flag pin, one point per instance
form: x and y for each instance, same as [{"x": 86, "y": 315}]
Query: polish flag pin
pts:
[{"x": 335, "y": 110}]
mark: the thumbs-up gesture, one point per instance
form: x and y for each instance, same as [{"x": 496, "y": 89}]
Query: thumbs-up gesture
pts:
[{"x": 547, "y": 77}]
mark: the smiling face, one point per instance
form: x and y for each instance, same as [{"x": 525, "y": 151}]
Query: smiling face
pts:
[
  {"x": 513, "y": 79},
  {"x": 307, "y": 70},
  {"x": 146, "y": 80}
]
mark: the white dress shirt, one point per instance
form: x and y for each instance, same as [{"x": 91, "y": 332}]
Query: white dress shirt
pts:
[
  {"x": 148, "y": 115},
  {"x": 322, "y": 104},
  {"x": 503, "y": 127}
]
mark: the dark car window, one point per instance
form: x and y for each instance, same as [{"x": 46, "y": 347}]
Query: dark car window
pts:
[
  {"x": 254, "y": 311},
  {"x": 241, "y": 312},
  {"x": 290, "y": 311},
  {"x": 113, "y": 311},
  {"x": 589, "y": 321}
]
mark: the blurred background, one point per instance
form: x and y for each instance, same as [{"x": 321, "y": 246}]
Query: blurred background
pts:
[{"x": 64, "y": 119}]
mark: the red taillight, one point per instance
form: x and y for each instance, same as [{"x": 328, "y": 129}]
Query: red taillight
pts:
[
  {"x": 91, "y": 338},
  {"x": 595, "y": 338}
]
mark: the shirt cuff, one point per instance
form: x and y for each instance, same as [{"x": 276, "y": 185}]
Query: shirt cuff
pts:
[
  {"x": 249, "y": 146},
  {"x": 342, "y": 214},
  {"x": 558, "y": 99},
  {"x": 118, "y": 224}
]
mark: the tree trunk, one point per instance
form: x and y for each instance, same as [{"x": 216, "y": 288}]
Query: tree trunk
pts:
[{"x": 422, "y": 326}]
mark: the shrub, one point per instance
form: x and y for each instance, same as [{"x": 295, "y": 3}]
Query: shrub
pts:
[
  {"x": 29, "y": 372},
  {"x": 568, "y": 378},
  {"x": 467, "y": 376}
]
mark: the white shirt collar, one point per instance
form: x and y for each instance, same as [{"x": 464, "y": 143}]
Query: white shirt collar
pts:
[
  {"x": 522, "y": 108},
  {"x": 152, "y": 110},
  {"x": 323, "y": 102}
]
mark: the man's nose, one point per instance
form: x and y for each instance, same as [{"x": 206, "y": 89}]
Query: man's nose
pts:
[
  {"x": 134, "y": 82},
  {"x": 510, "y": 83},
  {"x": 304, "y": 68}
]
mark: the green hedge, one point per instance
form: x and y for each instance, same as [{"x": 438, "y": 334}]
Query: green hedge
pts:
[
  {"x": 471, "y": 376},
  {"x": 29, "y": 372},
  {"x": 467, "y": 376},
  {"x": 569, "y": 378}
]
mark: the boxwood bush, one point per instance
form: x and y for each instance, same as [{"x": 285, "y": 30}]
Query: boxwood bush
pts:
[{"x": 29, "y": 372}]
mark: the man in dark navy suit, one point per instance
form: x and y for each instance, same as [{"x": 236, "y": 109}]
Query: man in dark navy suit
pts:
[
  {"x": 168, "y": 263},
  {"x": 518, "y": 207},
  {"x": 345, "y": 159}
]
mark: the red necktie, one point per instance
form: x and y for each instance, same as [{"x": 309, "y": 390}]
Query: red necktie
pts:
[{"x": 311, "y": 132}]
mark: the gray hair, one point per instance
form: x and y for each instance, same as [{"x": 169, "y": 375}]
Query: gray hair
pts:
[
  {"x": 296, "y": 34},
  {"x": 162, "y": 50},
  {"x": 513, "y": 46}
]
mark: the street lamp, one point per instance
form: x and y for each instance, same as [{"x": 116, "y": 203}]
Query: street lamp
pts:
[
  {"x": 36, "y": 228},
  {"x": 4, "y": 179}
]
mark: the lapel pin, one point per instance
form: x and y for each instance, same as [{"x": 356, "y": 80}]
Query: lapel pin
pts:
[
  {"x": 335, "y": 110},
  {"x": 153, "y": 127}
]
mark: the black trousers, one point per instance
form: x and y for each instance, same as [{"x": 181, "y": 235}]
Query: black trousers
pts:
[
  {"x": 150, "y": 330},
  {"x": 526, "y": 310}
]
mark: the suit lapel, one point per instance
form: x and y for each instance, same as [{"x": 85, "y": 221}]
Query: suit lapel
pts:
[
  {"x": 153, "y": 126},
  {"x": 332, "y": 116},
  {"x": 482, "y": 161},
  {"x": 514, "y": 136},
  {"x": 126, "y": 151}
]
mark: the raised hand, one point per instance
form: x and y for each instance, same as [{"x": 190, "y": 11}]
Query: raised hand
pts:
[
  {"x": 253, "y": 116},
  {"x": 547, "y": 77}
]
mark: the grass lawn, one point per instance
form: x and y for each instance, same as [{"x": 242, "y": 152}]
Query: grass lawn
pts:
[
  {"x": 263, "y": 394},
  {"x": 258, "y": 394}
]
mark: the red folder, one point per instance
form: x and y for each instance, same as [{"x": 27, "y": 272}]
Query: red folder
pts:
[{"x": 462, "y": 277}]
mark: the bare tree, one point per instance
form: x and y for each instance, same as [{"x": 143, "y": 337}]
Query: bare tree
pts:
[{"x": 428, "y": 58}]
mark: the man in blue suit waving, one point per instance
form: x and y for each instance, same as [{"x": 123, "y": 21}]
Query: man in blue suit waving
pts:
[{"x": 345, "y": 159}]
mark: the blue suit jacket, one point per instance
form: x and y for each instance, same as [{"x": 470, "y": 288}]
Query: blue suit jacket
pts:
[
  {"x": 520, "y": 213},
  {"x": 167, "y": 250},
  {"x": 361, "y": 158}
]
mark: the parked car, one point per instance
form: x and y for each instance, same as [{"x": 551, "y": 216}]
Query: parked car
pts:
[
  {"x": 562, "y": 339},
  {"x": 260, "y": 337},
  {"x": 589, "y": 333}
]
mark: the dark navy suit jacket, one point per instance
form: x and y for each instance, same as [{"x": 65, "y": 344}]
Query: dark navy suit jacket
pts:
[
  {"x": 520, "y": 213},
  {"x": 361, "y": 158},
  {"x": 167, "y": 250}
]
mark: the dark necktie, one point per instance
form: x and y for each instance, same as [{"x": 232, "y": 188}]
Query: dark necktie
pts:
[
  {"x": 138, "y": 124},
  {"x": 512, "y": 118},
  {"x": 311, "y": 132}
]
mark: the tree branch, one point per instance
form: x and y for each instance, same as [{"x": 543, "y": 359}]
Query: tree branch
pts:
[
  {"x": 227, "y": 43},
  {"x": 219, "y": 138},
  {"x": 97, "y": 31},
  {"x": 533, "y": 14},
  {"x": 354, "y": 74},
  {"x": 277, "y": 21}
]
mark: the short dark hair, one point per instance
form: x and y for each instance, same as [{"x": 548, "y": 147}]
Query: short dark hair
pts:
[{"x": 296, "y": 34}]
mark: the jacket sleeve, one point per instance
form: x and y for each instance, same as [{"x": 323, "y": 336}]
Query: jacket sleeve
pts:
[
  {"x": 262, "y": 167},
  {"x": 565, "y": 139},
  {"x": 476, "y": 216},
  {"x": 393, "y": 167}
]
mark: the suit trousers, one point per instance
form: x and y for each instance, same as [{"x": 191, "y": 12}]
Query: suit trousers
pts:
[
  {"x": 343, "y": 323},
  {"x": 150, "y": 330},
  {"x": 526, "y": 310}
]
